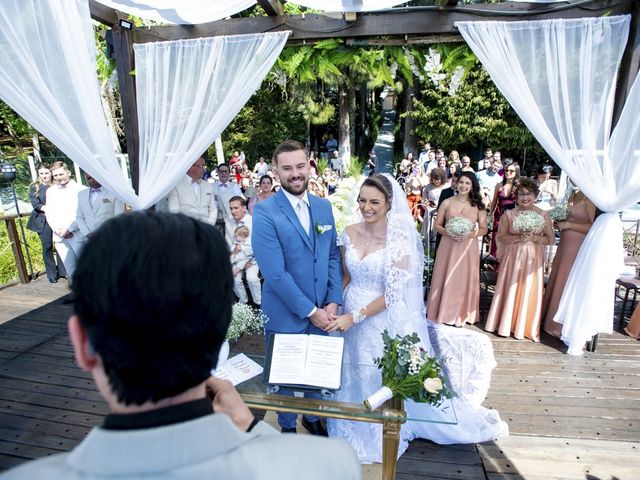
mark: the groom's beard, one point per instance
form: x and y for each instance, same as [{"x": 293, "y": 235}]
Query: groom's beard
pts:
[{"x": 287, "y": 186}]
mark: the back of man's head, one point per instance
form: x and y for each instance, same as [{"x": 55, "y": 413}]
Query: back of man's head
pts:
[{"x": 154, "y": 292}]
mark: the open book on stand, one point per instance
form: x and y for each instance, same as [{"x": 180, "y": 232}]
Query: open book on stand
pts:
[{"x": 304, "y": 361}]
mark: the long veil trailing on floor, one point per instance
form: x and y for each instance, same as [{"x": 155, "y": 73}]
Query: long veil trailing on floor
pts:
[{"x": 466, "y": 356}]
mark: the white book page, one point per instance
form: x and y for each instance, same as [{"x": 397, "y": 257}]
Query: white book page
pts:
[
  {"x": 324, "y": 361},
  {"x": 288, "y": 359}
]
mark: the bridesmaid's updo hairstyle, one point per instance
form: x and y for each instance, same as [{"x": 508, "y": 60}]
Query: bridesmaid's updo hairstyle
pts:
[
  {"x": 474, "y": 195},
  {"x": 527, "y": 183},
  {"x": 382, "y": 183}
]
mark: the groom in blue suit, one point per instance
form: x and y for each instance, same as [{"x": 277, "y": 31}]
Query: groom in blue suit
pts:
[{"x": 294, "y": 241}]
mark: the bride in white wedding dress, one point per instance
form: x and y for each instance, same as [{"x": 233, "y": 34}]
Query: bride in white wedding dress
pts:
[{"x": 382, "y": 271}]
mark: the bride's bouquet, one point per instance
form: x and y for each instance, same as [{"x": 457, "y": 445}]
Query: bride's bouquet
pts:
[
  {"x": 458, "y": 226},
  {"x": 408, "y": 372},
  {"x": 528, "y": 222},
  {"x": 559, "y": 213}
]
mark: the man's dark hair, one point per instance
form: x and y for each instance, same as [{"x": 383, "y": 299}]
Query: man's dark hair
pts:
[
  {"x": 238, "y": 198},
  {"x": 155, "y": 292},
  {"x": 223, "y": 165},
  {"x": 285, "y": 147}
]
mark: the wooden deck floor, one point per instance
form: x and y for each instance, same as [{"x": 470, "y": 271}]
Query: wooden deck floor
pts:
[{"x": 570, "y": 417}]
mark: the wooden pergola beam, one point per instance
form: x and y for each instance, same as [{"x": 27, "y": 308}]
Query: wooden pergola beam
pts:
[
  {"x": 103, "y": 14},
  {"x": 272, "y": 7},
  {"x": 393, "y": 22}
]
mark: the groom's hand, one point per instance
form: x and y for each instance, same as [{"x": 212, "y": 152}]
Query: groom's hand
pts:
[
  {"x": 332, "y": 309},
  {"x": 321, "y": 318}
]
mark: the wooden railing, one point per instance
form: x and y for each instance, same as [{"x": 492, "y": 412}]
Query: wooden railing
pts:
[{"x": 15, "y": 241}]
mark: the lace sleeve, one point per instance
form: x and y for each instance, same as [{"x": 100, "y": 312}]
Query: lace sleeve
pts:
[
  {"x": 343, "y": 238},
  {"x": 397, "y": 267}
]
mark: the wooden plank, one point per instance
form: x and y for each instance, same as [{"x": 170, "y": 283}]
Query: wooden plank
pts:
[
  {"x": 18, "y": 256},
  {"x": 398, "y": 21},
  {"x": 125, "y": 65},
  {"x": 11, "y": 408},
  {"x": 272, "y": 7},
  {"x": 102, "y": 13},
  {"x": 25, "y": 452}
]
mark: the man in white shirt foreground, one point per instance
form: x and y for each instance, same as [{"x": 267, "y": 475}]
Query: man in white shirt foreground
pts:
[
  {"x": 96, "y": 205},
  {"x": 148, "y": 325},
  {"x": 193, "y": 196},
  {"x": 62, "y": 208}
]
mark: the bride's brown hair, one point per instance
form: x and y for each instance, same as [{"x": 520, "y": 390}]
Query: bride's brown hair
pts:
[{"x": 382, "y": 183}]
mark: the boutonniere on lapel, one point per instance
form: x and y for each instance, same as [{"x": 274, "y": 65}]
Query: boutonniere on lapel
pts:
[
  {"x": 106, "y": 200},
  {"x": 320, "y": 229}
]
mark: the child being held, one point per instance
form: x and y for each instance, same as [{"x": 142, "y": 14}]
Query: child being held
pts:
[{"x": 242, "y": 252}]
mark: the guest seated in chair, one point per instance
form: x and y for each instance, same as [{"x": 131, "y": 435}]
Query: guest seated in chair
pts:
[{"x": 148, "y": 326}]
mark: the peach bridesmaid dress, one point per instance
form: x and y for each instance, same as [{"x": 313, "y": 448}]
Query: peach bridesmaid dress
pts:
[
  {"x": 517, "y": 300},
  {"x": 570, "y": 242},
  {"x": 454, "y": 296},
  {"x": 633, "y": 328}
]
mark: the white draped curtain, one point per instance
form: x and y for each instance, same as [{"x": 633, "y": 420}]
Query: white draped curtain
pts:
[
  {"x": 48, "y": 76},
  {"x": 560, "y": 76},
  {"x": 188, "y": 92},
  {"x": 180, "y": 12},
  {"x": 183, "y": 12}
]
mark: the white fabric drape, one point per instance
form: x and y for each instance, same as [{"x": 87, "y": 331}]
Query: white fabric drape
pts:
[
  {"x": 48, "y": 76},
  {"x": 186, "y": 12},
  {"x": 188, "y": 92},
  {"x": 348, "y": 5},
  {"x": 559, "y": 76},
  {"x": 181, "y": 12}
]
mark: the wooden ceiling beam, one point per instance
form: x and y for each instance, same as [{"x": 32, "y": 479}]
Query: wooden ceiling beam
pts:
[
  {"x": 394, "y": 22},
  {"x": 103, "y": 14},
  {"x": 272, "y": 7}
]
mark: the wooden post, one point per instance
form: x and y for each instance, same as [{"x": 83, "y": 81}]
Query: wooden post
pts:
[
  {"x": 125, "y": 64},
  {"x": 14, "y": 239},
  {"x": 629, "y": 65}
]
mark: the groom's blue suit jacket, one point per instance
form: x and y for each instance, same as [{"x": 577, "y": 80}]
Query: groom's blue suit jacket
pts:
[{"x": 300, "y": 271}]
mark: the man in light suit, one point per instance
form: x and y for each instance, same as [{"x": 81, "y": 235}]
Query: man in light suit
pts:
[
  {"x": 193, "y": 196},
  {"x": 62, "y": 208},
  {"x": 224, "y": 189},
  {"x": 150, "y": 346},
  {"x": 96, "y": 205},
  {"x": 294, "y": 241}
]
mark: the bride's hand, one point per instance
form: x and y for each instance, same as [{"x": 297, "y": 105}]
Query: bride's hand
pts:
[{"x": 340, "y": 324}]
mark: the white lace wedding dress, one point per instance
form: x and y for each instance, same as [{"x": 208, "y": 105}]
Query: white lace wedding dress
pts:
[{"x": 467, "y": 359}]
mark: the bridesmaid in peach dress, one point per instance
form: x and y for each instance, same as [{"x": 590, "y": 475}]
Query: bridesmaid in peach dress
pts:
[
  {"x": 633, "y": 328},
  {"x": 517, "y": 300},
  {"x": 582, "y": 213},
  {"x": 455, "y": 286}
]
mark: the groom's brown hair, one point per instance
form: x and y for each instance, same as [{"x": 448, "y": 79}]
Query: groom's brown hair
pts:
[{"x": 287, "y": 146}]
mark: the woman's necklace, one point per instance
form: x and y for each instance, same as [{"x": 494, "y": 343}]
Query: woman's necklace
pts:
[{"x": 373, "y": 239}]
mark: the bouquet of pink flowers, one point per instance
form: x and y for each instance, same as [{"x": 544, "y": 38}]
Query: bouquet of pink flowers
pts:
[{"x": 408, "y": 372}]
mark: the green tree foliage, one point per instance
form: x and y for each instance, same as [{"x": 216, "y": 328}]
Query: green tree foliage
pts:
[
  {"x": 266, "y": 120},
  {"x": 477, "y": 114}
]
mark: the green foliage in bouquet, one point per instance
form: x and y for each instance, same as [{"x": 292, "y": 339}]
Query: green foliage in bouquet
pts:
[{"x": 409, "y": 372}]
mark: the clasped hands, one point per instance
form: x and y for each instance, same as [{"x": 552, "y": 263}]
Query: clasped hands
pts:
[{"x": 327, "y": 319}]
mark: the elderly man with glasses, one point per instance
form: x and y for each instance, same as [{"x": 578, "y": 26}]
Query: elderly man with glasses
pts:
[{"x": 193, "y": 196}]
